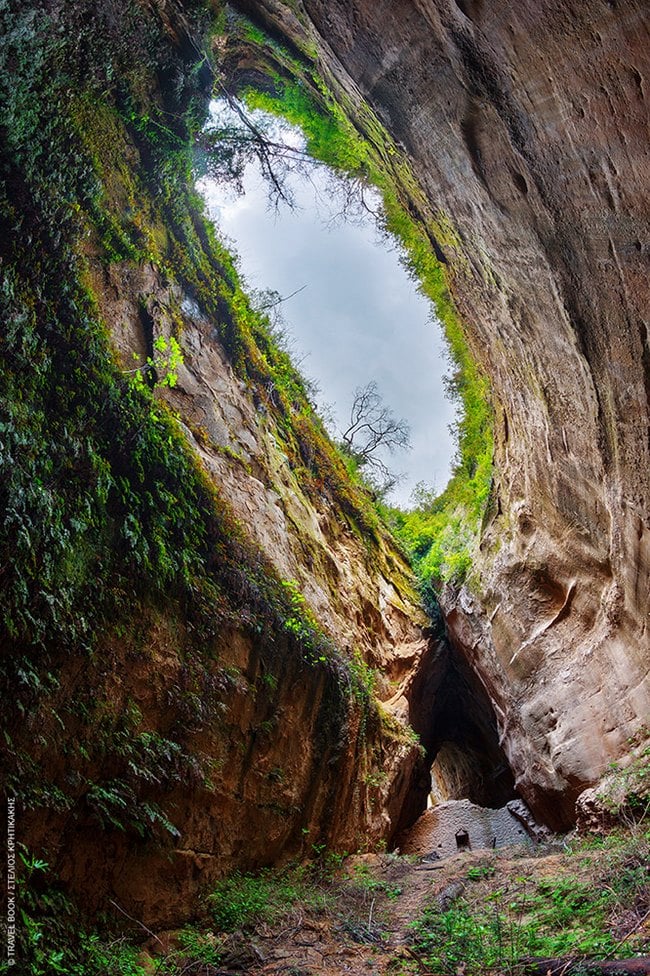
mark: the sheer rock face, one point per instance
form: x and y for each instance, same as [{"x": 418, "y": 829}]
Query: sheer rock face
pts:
[
  {"x": 362, "y": 593},
  {"x": 295, "y": 757},
  {"x": 292, "y": 765},
  {"x": 526, "y": 125}
]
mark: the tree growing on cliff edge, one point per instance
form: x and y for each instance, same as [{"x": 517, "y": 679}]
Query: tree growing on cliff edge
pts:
[
  {"x": 373, "y": 428},
  {"x": 237, "y": 137}
]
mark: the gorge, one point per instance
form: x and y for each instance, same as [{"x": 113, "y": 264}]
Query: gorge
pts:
[{"x": 216, "y": 657}]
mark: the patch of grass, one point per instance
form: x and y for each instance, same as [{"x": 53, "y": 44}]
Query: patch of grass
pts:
[
  {"x": 366, "y": 882},
  {"x": 583, "y": 912},
  {"x": 200, "y": 947},
  {"x": 243, "y": 901}
]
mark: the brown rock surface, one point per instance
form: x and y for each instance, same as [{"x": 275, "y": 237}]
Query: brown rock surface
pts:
[
  {"x": 363, "y": 595},
  {"x": 527, "y": 127},
  {"x": 282, "y": 761}
]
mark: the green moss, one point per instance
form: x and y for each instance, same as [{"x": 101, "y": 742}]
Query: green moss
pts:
[
  {"x": 502, "y": 922},
  {"x": 106, "y": 514}
]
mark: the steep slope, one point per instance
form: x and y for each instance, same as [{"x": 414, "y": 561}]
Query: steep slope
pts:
[
  {"x": 194, "y": 593},
  {"x": 526, "y": 126}
]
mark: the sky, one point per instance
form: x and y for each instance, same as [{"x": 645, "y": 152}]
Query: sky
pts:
[{"x": 358, "y": 317}]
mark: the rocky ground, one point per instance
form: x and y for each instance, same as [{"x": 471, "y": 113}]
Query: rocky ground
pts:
[{"x": 417, "y": 914}]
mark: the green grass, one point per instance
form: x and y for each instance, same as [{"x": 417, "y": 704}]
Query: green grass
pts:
[
  {"x": 243, "y": 901},
  {"x": 500, "y": 921},
  {"x": 547, "y": 920}
]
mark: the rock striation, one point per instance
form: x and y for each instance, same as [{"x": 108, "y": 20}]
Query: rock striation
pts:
[
  {"x": 527, "y": 128},
  {"x": 195, "y": 597},
  {"x": 164, "y": 668}
]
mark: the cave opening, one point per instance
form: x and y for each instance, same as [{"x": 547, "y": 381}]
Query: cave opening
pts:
[
  {"x": 467, "y": 759},
  {"x": 337, "y": 290},
  {"x": 456, "y": 723}
]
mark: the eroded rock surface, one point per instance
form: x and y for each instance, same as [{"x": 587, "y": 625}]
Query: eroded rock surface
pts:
[
  {"x": 527, "y": 128},
  {"x": 362, "y": 594}
]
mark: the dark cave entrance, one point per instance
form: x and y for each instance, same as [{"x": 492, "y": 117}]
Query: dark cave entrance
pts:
[
  {"x": 467, "y": 759},
  {"x": 454, "y": 718}
]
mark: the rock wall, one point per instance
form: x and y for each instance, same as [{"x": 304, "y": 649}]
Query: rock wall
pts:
[
  {"x": 458, "y": 825},
  {"x": 159, "y": 666},
  {"x": 362, "y": 594},
  {"x": 193, "y": 592},
  {"x": 526, "y": 126},
  {"x": 276, "y": 760}
]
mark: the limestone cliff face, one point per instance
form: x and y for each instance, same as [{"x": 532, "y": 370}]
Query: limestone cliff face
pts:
[
  {"x": 526, "y": 125},
  {"x": 362, "y": 594},
  {"x": 173, "y": 711}
]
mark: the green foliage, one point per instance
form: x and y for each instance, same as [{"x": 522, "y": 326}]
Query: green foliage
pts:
[
  {"x": 301, "y": 624},
  {"x": 439, "y": 536},
  {"x": 481, "y": 871},
  {"x": 365, "y": 881},
  {"x": 331, "y": 137},
  {"x": 299, "y": 620},
  {"x": 497, "y": 925},
  {"x": 239, "y": 901},
  {"x": 242, "y": 901},
  {"x": 363, "y": 679},
  {"x": 162, "y": 366},
  {"x": 556, "y": 918},
  {"x": 200, "y": 947}
]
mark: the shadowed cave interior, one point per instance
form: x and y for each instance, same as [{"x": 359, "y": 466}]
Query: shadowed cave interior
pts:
[{"x": 455, "y": 721}]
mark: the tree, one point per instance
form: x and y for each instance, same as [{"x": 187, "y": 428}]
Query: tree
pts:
[
  {"x": 374, "y": 428},
  {"x": 161, "y": 369},
  {"x": 235, "y": 138}
]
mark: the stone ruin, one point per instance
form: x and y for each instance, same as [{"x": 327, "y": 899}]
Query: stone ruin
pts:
[{"x": 458, "y": 825}]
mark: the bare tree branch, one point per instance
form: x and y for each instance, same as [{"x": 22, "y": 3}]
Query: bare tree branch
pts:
[
  {"x": 281, "y": 299},
  {"x": 372, "y": 428},
  {"x": 228, "y": 145},
  {"x": 373, "y": 425}
]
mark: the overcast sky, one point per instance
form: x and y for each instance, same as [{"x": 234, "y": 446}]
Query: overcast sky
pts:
[{"x": 358, "y": 319}]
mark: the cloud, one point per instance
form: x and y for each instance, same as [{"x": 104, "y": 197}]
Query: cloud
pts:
[{"x": 360, "y": 318}]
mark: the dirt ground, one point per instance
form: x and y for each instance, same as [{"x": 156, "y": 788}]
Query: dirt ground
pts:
[
  {"x": 363, "y": 923},
  {"x": 369, "y": 931}
]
